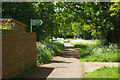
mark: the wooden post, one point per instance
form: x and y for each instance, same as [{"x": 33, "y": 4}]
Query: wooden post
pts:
[{"x": 31, "y": 25}]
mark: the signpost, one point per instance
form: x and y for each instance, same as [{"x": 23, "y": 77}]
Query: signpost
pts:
[{"x": 36, "y": 22}]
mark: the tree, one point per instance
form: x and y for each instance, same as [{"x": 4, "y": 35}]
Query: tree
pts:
[
  {"x": 95, "y": 14},
  {"x": 25, "y": 11},
  {"x": 85, "y": 19}
]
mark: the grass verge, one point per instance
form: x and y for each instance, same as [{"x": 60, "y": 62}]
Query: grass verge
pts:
[
  {"x": 93, "y": 51},
  {"x": 103, "y": 72}
]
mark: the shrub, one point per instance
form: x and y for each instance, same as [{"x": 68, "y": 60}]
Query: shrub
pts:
[{"x": 46, "y": 50}]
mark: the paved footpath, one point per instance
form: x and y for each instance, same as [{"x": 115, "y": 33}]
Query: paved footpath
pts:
[{"x": 67, "y": 65}]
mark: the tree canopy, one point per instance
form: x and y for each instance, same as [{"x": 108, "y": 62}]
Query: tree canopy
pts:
[{"x": 100, "y": 20}]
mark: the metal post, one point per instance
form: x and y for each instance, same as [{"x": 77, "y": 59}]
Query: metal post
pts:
[{"x": 31, "y": 24}]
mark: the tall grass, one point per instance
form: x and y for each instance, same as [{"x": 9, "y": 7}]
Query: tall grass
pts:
[
  {"x": 92, "y": 50},
  {"x": 46, "y": 50}
]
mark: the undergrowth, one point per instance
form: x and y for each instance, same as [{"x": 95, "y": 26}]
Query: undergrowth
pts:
[
  {"x": 46, "y": 50},
  {"x": 93, "y": 51}
]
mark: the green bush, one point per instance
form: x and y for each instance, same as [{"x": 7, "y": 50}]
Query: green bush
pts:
[
  {"x": 103, "y": 72},
  {"x": 46, "y": 50}
]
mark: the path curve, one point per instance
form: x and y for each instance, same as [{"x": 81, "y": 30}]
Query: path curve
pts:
[{"x": 67, "y": 65}]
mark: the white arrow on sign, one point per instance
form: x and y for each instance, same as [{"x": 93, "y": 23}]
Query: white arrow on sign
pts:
[{"x": 41, "y": 22}]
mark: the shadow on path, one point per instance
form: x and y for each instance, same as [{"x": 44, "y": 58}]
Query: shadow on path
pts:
[
  {"x": 69, "y": 51},
  {"x": 41, "y": 72},
  {"x": 66, "y": 66},
  {"x": 55, "y": 61},
  {"x": 61, "y": 66}
]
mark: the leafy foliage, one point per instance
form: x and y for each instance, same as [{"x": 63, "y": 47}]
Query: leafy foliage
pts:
[
  {"x": 24, "y": 11},
  {"x": 46, "y": 50},
  {"x": 69, "y": 19},
  {"x": 93, "y": 19}
]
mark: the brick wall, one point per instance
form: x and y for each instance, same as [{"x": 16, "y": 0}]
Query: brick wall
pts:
[{"x": 18, "y": 52}]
